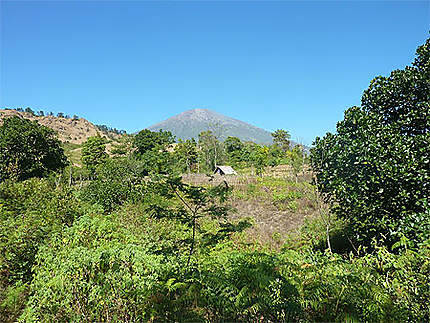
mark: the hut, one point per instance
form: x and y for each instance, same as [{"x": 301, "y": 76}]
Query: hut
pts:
[{"x": 224, "y": 170}]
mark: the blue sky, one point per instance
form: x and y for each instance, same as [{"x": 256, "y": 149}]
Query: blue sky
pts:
[{"x": 289, "y": 65}]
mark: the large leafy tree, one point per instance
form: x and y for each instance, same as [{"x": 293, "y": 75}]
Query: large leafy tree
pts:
[
  {"x": 28, "y": 149},
  {"x": 376, "y": 168},
  {"x": 147, "y": 140},
  {"x": 151, "y": 148}
]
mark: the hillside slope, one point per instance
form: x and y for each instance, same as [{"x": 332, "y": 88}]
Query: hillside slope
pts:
[
  {"x": 74, "y": 131},
  {"x": 190, "y": 123}
]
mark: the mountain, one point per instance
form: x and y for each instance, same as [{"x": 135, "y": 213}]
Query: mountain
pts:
[
  {"x": 190, "y": 123},
  {"x": 69, "y": 130}
]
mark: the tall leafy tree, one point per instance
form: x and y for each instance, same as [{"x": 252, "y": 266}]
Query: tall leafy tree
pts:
[
  {"x": 376, "y": 168},
  {"x": 28, "y": 149}
]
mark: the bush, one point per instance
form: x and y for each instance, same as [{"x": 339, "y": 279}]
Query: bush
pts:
[
  {"x": 96, "y": 271},
  {"x": 116, "y": 181},
  {"x": 30, "y": 212}
]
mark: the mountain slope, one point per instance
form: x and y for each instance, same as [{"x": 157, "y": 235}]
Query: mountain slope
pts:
[
  {"x": 190, "y": 123},
  {"x": 74, "y": 131}
]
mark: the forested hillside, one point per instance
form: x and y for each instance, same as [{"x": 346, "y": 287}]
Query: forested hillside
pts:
[{"x": 146, "y": 232}]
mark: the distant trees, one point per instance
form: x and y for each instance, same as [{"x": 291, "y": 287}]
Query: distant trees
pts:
[
  {"x": 29, "y": 110},
  {"x": 107, "y": 129},
  {"x": 28, "y": 149},
  {"x": 376, "y": 168}
]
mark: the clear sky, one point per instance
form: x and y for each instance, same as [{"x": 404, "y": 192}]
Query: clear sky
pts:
[{"x": 285, "y": 64}]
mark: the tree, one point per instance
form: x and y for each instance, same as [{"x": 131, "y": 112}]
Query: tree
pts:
[
  {"x": 151, "y": 147},
  {"x": 94, "y": 152},
  {"x": 259, "y": 158},
  {"x": 376, "y": 168},
  {"x": 28, "y": 149},
  {"x": 123, "y": 147},
  {"x": 186, "y": 155},
  {"x": 147, "y": 140},
  {"x": 296, "y": 159},
  {"x": 211, "y": 150},
  {"x": 281, "y": 138},
  {"x": 29, "y": 110},
  {"x": 41, "y": 113},
  {"x": 234, "y": 149}
]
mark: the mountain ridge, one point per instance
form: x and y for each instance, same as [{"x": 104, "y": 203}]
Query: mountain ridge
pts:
[{"x": 190, "y": 123}]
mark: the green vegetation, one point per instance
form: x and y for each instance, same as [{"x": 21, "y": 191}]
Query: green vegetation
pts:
[
  {"x": 28, "y": 149},
  {"x": 376, "y": 167},
  {"x": 126, "y": 238},
  {"x": 93, "y": 152}
]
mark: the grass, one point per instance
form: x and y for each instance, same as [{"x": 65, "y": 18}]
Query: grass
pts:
[{"x": 278, "y": 205}]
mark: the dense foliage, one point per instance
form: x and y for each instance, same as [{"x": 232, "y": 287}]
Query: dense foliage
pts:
[
  {"x": 28, "y": 149},
  {"x": 93, "y": 152},
  {"x": 376, "y": 168},
  {"x": 134, "y": 242}
]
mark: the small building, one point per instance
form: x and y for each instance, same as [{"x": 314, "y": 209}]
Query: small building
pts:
[{"x": 224, "y": 170}]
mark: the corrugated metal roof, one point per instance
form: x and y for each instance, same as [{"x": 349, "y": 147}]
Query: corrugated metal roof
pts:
[{"x": 227, "y": 170}]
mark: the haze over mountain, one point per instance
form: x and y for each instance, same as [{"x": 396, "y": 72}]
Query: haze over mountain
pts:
[{"x": 190, "y": 123}]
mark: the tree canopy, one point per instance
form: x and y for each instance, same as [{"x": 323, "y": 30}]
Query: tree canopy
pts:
[
  {"x": 94, "y": 152},
  {"x": 28, "y": 149},
  {"x": 147, "y": 140},
  {"x": 376, "y": 168}
]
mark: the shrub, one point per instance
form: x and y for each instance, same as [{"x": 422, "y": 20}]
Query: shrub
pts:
[
  {"x": 116, "y": 181},
  {"x": 96, "y": 271},
  {"x": 30, "y": 212}
]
